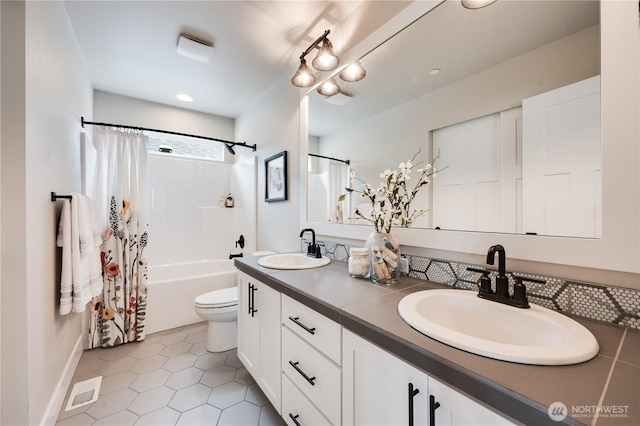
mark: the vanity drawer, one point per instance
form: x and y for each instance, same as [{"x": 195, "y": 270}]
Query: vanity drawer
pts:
[
  {"x": 315, "y": 375},
  {"x": 321, "y": 332},
  {"x": 297, "y": 409}
]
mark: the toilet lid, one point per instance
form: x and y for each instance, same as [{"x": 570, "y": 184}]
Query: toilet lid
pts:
[{"x": 219, "y": 298}]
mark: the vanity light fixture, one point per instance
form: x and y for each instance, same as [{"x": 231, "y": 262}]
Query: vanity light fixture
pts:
[
  {"x": 477, "y": 4},
  {"x": 303, "y": 77},
  {"x": 353, "y": 72},
  {"x": 329, "y": 88},
  {"x": 325, "y": 60},
  {"x": 340, "y": 98}
]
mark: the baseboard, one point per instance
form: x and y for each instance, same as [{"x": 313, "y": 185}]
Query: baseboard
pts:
[{"x": 57, "y": 399}]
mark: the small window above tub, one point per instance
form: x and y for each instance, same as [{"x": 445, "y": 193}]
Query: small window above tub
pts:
[{"x": 186, "y": 148}]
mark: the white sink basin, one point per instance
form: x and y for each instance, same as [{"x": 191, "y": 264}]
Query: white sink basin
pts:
[
  {"x": 461, "y": 319},
  {"x": 292, "y": 261}
]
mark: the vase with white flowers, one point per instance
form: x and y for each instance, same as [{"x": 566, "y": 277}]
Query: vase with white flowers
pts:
[{"x": 391, "y": 206}]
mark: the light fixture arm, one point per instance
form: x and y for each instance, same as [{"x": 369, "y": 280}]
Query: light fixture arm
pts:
[{"x": 315, "y": 44}]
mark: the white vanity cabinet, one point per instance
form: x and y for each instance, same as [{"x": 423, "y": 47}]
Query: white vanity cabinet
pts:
[
  {"x": 311, "y": 366},
  {"x": 379, "y": 388},
  {"x": 455, "y": 408},
  {"x": 259, "y": 338}
]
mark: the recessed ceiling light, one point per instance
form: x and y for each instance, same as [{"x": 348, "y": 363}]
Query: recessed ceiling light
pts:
[
  {"x": 184, "y": 97},
  {"x": 434, "y": 71},
  {"x": 477, "y": 4}
]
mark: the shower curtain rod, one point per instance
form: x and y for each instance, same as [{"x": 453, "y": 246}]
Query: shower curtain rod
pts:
[
  {"x": 347, "y": 162},
  {"x": 228, "y": 144}
]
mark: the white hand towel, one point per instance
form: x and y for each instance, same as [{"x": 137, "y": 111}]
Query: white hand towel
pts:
[
  {"x": 81, "y": 276},
  {"x": 64, "y": 241}
]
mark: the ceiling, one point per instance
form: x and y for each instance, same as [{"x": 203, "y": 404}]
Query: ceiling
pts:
[{"x": 130, "y": 46}]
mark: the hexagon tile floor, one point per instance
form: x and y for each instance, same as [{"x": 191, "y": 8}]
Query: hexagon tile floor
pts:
[{"x": 169, "y": 379}]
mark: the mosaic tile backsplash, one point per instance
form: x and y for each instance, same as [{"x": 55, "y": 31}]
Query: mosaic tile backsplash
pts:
[{"x": 604, "y": 303}]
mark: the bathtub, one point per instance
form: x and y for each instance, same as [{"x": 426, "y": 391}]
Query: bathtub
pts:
[{"x": 172, "y": 288}]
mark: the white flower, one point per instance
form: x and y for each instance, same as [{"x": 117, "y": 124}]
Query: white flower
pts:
[{"x": 391, "y": 200}]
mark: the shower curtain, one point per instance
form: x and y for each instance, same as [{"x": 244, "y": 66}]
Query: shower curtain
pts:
[
  {"x": 338, "y": 177},
  {"x": 120, "y": 199}
]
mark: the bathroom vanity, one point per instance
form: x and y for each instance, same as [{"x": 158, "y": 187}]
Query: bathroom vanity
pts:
[{"x": 331, "y": 349}]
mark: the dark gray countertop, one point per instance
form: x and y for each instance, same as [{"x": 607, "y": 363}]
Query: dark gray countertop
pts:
[{"x": 522, "y": 392}]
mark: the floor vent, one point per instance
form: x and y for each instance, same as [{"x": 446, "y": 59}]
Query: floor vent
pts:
[{"x": 84, "y": 393}]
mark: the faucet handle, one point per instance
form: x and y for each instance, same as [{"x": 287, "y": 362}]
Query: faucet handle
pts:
[
  {"x": 485, "y": 281},
  {"x": 520, "y": 290}
]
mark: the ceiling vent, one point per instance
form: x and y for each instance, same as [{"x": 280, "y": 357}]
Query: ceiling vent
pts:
[
  {"x": 340, "y": 98},
  {"x": 195, "y": 49}
]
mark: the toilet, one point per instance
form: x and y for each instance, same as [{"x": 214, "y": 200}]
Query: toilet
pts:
[{"x": 220, "y": 309}]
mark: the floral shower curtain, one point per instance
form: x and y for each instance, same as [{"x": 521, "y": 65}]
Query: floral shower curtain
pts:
[
  {"x": 120, "y": 199},
  {"x": 338, "y": 176}
]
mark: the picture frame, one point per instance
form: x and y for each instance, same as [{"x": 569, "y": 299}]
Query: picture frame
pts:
[{"x": 276, "y": 177}]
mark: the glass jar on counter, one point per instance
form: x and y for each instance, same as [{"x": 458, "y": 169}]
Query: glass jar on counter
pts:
[{"x": 359, "y": 262}]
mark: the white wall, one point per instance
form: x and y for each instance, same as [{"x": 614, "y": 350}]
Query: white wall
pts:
[
  {"x": 397, "y": 132},
  {"x": 117, "y": 109},
  {"x": 45, "y": 91},
  {"x": 272, "y": 122}
]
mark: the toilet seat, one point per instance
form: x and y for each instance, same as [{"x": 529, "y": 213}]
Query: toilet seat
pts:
[{"x": 223, "y": 298}]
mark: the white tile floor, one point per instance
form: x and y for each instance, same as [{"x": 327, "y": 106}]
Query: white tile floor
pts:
[{"x": 169, "y": 379}]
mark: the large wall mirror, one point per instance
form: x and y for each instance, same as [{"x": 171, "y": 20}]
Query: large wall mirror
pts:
[{"x": 508, "y": 95}]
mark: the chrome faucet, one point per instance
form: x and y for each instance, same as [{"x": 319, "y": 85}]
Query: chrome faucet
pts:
[{"x": 313, "y": 250}]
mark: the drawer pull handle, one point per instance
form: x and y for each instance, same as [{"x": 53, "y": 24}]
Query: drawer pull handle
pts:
[
  {"x": 310, "y": 330},
  {"x": 307, "y": 378},
  {"x": 294, "y": 418}
]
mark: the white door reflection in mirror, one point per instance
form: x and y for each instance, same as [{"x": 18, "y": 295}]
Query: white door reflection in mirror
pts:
[
  {"x": 562, "y": 153},
  {"x": 480, "y": 188}
]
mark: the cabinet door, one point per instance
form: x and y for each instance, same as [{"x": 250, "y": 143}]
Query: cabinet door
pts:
[
  {"x": 267, "y": 307},
  {"x": 455, "y": 408},
  {"x": 380, "y": 389},
  {"x": 248, "y": 326},
  {"x": 259, "y": 335}
]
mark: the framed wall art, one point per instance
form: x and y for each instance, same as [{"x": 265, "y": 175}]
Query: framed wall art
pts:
[{"x": 276, "y": 177}]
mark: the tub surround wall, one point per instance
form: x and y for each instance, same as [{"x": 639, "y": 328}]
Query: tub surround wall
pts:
[{"x": 605, "y": 303}]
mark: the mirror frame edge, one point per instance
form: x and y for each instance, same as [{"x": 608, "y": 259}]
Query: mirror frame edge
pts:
[{"x": 619, "y": 247}]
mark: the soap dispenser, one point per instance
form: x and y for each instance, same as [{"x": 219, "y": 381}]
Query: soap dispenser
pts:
[{"x": 228, "y": 202}]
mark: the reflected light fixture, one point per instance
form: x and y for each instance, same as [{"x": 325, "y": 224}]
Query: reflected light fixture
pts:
[
  {"x": 477, "y": 4},
  {"x": 325, "y": 60},
  {"x": 353, "y": 72},
  {"x": 329, "y": 88}
]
